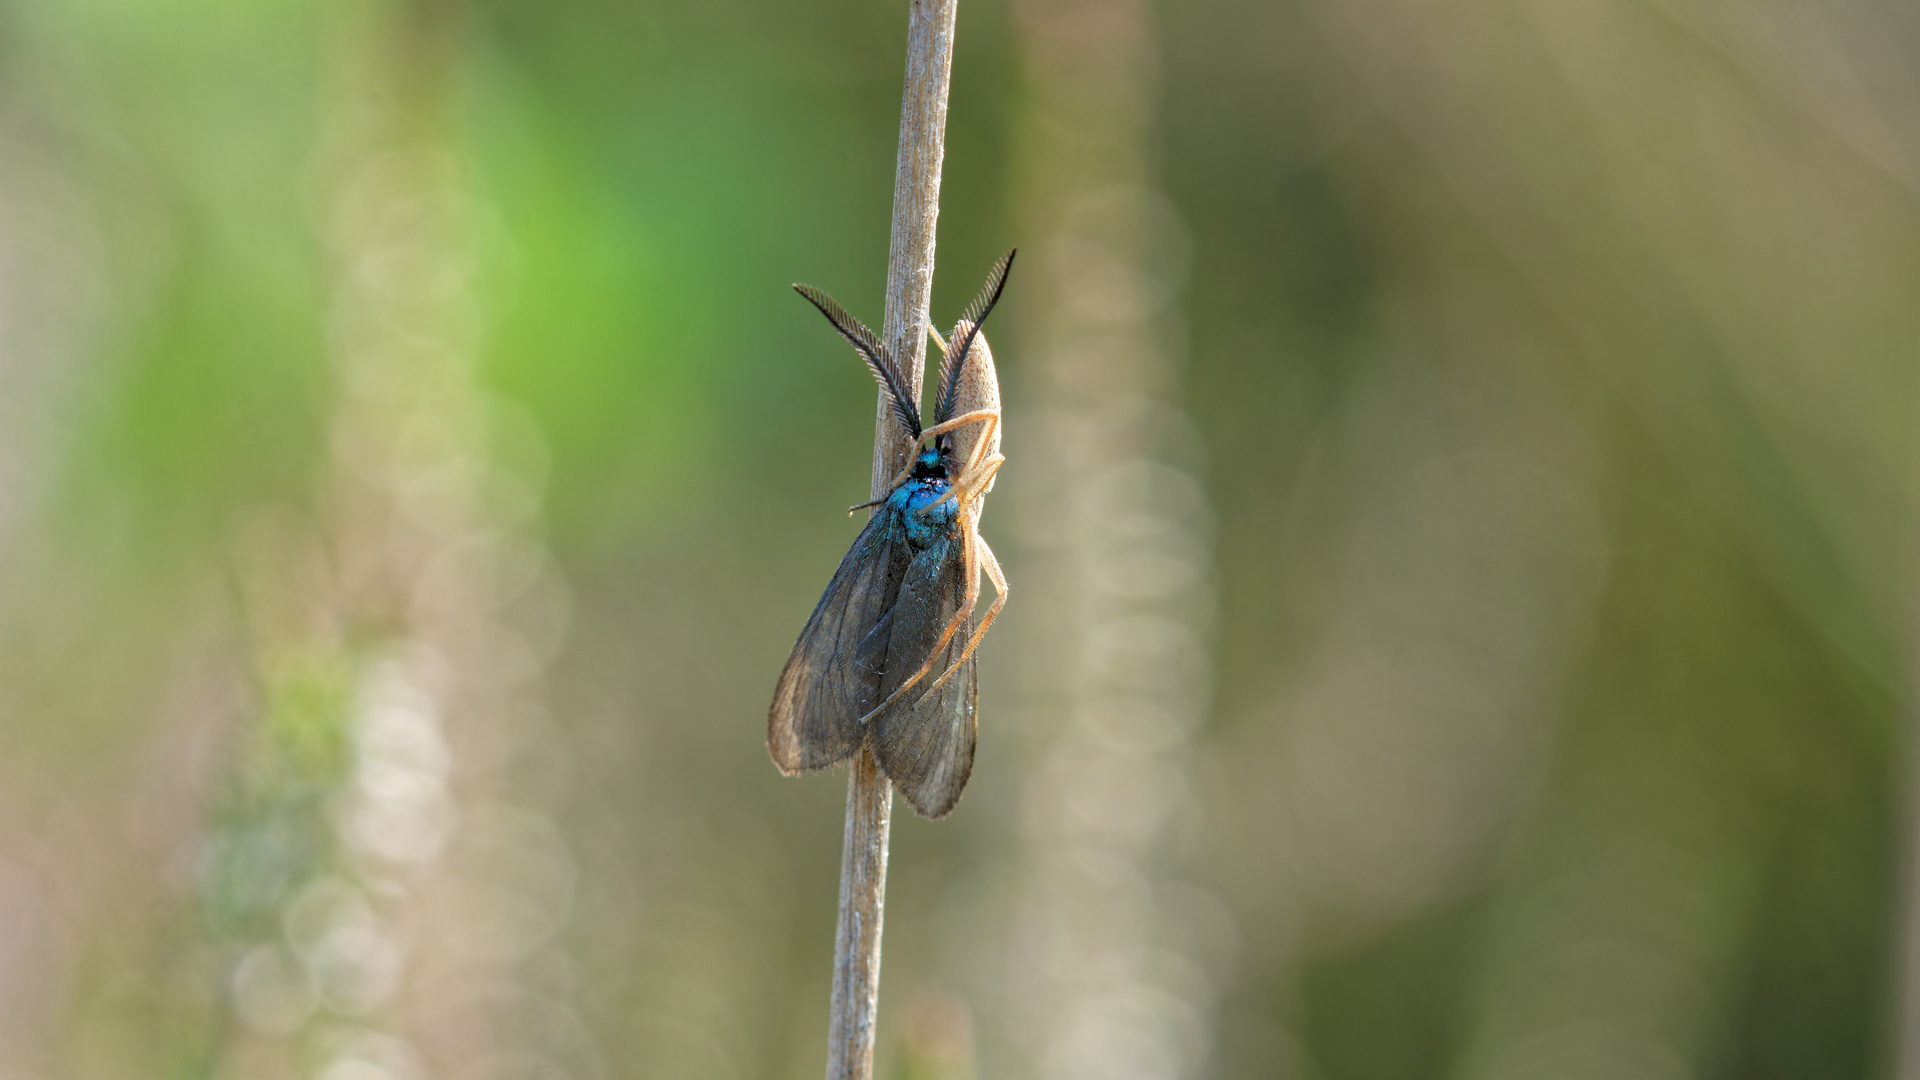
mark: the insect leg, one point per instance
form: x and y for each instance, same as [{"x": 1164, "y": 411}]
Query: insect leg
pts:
[
  {"x": 899, "y": 479},
  {"x": 984, "y": 416}
]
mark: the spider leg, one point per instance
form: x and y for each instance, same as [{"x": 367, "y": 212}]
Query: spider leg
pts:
[
  {"x": 973, "y": 480},
  {"x": 961, "y": 421},
  {"x": 992, "y": 566},
  {"x": 899, "y": 478},
  {"x": 976, "y": 556},
  {"x": 980, "y": 445},
  {"x": 970, "y": 569}
]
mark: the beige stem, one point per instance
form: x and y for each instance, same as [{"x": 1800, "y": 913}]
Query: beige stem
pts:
[{"x": 916, "y": 207}]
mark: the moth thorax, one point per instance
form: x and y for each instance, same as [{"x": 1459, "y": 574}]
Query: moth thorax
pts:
[{"x": 978, "y": 390}]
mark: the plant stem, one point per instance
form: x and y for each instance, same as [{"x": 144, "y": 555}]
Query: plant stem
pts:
[{"x": 916, "y": 207}]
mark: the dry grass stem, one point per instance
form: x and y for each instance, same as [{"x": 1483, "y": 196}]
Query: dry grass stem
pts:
[{"x": 916, "y": 208}]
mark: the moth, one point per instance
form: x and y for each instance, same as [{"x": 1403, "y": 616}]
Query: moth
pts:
[{"x": 886, "y": 659}]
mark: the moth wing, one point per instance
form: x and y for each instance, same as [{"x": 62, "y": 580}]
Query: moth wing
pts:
[
  {"x": 832, "y": 679},
  {"x": 924, "y": 740}
]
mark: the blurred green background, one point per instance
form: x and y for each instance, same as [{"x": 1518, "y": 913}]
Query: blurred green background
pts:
[{"x": 414, "y": 471}]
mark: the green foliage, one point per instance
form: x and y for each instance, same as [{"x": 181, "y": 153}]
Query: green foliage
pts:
[{"x": 274, "y": 830}]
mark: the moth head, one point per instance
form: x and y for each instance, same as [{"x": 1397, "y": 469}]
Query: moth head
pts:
[{"x": 930, "y": 461}]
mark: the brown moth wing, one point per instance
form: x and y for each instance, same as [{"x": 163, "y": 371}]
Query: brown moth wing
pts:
[
  {"x": 978, "y": 390},
  {"x": 832, "y": 679},
  {"x": 924, "y": 741}
]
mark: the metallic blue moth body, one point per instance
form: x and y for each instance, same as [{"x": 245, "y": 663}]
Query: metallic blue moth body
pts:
[
  {"x": 886, "y": 658},
  {"x": 919, "y": 504}
]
